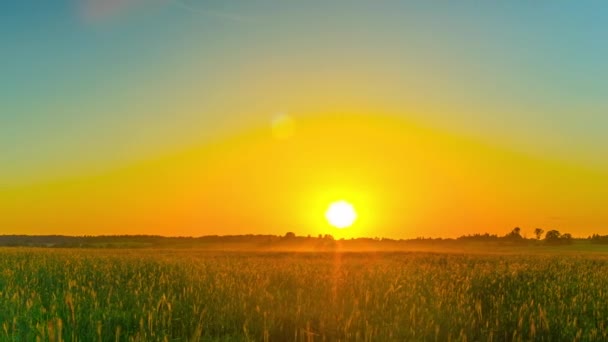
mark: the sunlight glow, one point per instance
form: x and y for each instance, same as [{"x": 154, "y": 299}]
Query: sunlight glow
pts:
[{"x": 341, "y": 214}]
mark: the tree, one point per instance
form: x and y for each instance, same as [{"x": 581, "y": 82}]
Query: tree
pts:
[
  {"x": 567, "y": 238},
  {"x": 290, "y": 235},
  {"x": 553, "y": 236},
  {"x": 515, "y": 234},
  {"x": 539, "y": 233}
]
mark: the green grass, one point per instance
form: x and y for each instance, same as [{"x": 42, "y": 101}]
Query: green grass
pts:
[{"x": 180, "y": 295}]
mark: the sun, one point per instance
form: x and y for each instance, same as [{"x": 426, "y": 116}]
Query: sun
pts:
[{"x": 341, "y": 214}]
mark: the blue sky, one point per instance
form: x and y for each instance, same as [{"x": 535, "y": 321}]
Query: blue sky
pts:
[{"x": 87, "y": 86}]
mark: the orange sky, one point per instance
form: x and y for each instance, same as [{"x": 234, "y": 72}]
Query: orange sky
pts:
[
  {"x": 156, "y": 117},
  {"x": 405, "y": 180}
]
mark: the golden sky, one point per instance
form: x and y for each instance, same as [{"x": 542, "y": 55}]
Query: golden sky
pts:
[{"x": 404, "y": 179}]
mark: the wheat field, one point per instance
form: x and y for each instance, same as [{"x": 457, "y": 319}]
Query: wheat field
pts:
[{"x": 189, "y": 295}]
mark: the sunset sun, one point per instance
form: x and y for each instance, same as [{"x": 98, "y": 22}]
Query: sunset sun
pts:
[{"x": 341, "y": 214}]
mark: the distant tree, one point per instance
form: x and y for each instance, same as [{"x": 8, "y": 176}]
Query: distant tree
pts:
[
  {"x": 567, "y": 238},
  {"x": 290, "y": 235},
  {"x": 328, "y": 237},
  {"x": 539, "y": 233},
  {"x": 515, "y": 234},
  {"x": 553, "y": 236}
]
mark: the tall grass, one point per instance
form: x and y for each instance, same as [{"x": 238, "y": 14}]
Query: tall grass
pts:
[{"x": 160, "y": 295}]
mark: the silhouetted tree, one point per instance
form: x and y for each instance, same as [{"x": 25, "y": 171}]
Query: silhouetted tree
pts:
[
  {"x": 553, "y": 236},
  {"x": 290, "y": 235},
  {"x": 567, "y": 238},
  {"x": 539, "y": 233},
  {"x": 515, "y": 234}
]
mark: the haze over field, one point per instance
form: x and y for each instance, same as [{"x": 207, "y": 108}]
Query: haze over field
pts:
[{"x": 190, "y": 117}]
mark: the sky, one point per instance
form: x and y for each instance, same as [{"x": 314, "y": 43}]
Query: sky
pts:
[{"x": 192, "y": 117}]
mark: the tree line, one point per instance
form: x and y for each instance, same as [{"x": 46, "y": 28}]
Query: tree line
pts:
[
  {"x": 553, "y": 237},
  {"x": 290, "y": 239}
]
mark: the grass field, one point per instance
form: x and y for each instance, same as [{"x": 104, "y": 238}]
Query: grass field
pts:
[{"x": 184, "y": 295}]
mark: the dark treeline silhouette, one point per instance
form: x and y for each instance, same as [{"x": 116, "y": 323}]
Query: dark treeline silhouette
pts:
[
  {"x": 553, "y": 237},
  {"x": 599, "y": 239},
  {"x": 142, "y": 241},
  {"x": 289, "y": 241}
]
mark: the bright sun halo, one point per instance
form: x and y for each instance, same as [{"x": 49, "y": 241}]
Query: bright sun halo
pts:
[{"x": 341, "y": 214}]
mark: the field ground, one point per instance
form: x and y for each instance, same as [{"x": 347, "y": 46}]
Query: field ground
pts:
[{"x": 541, "y": 293}]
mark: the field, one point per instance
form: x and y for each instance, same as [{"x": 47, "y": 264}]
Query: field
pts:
[{"x": 187, "y": 295}]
